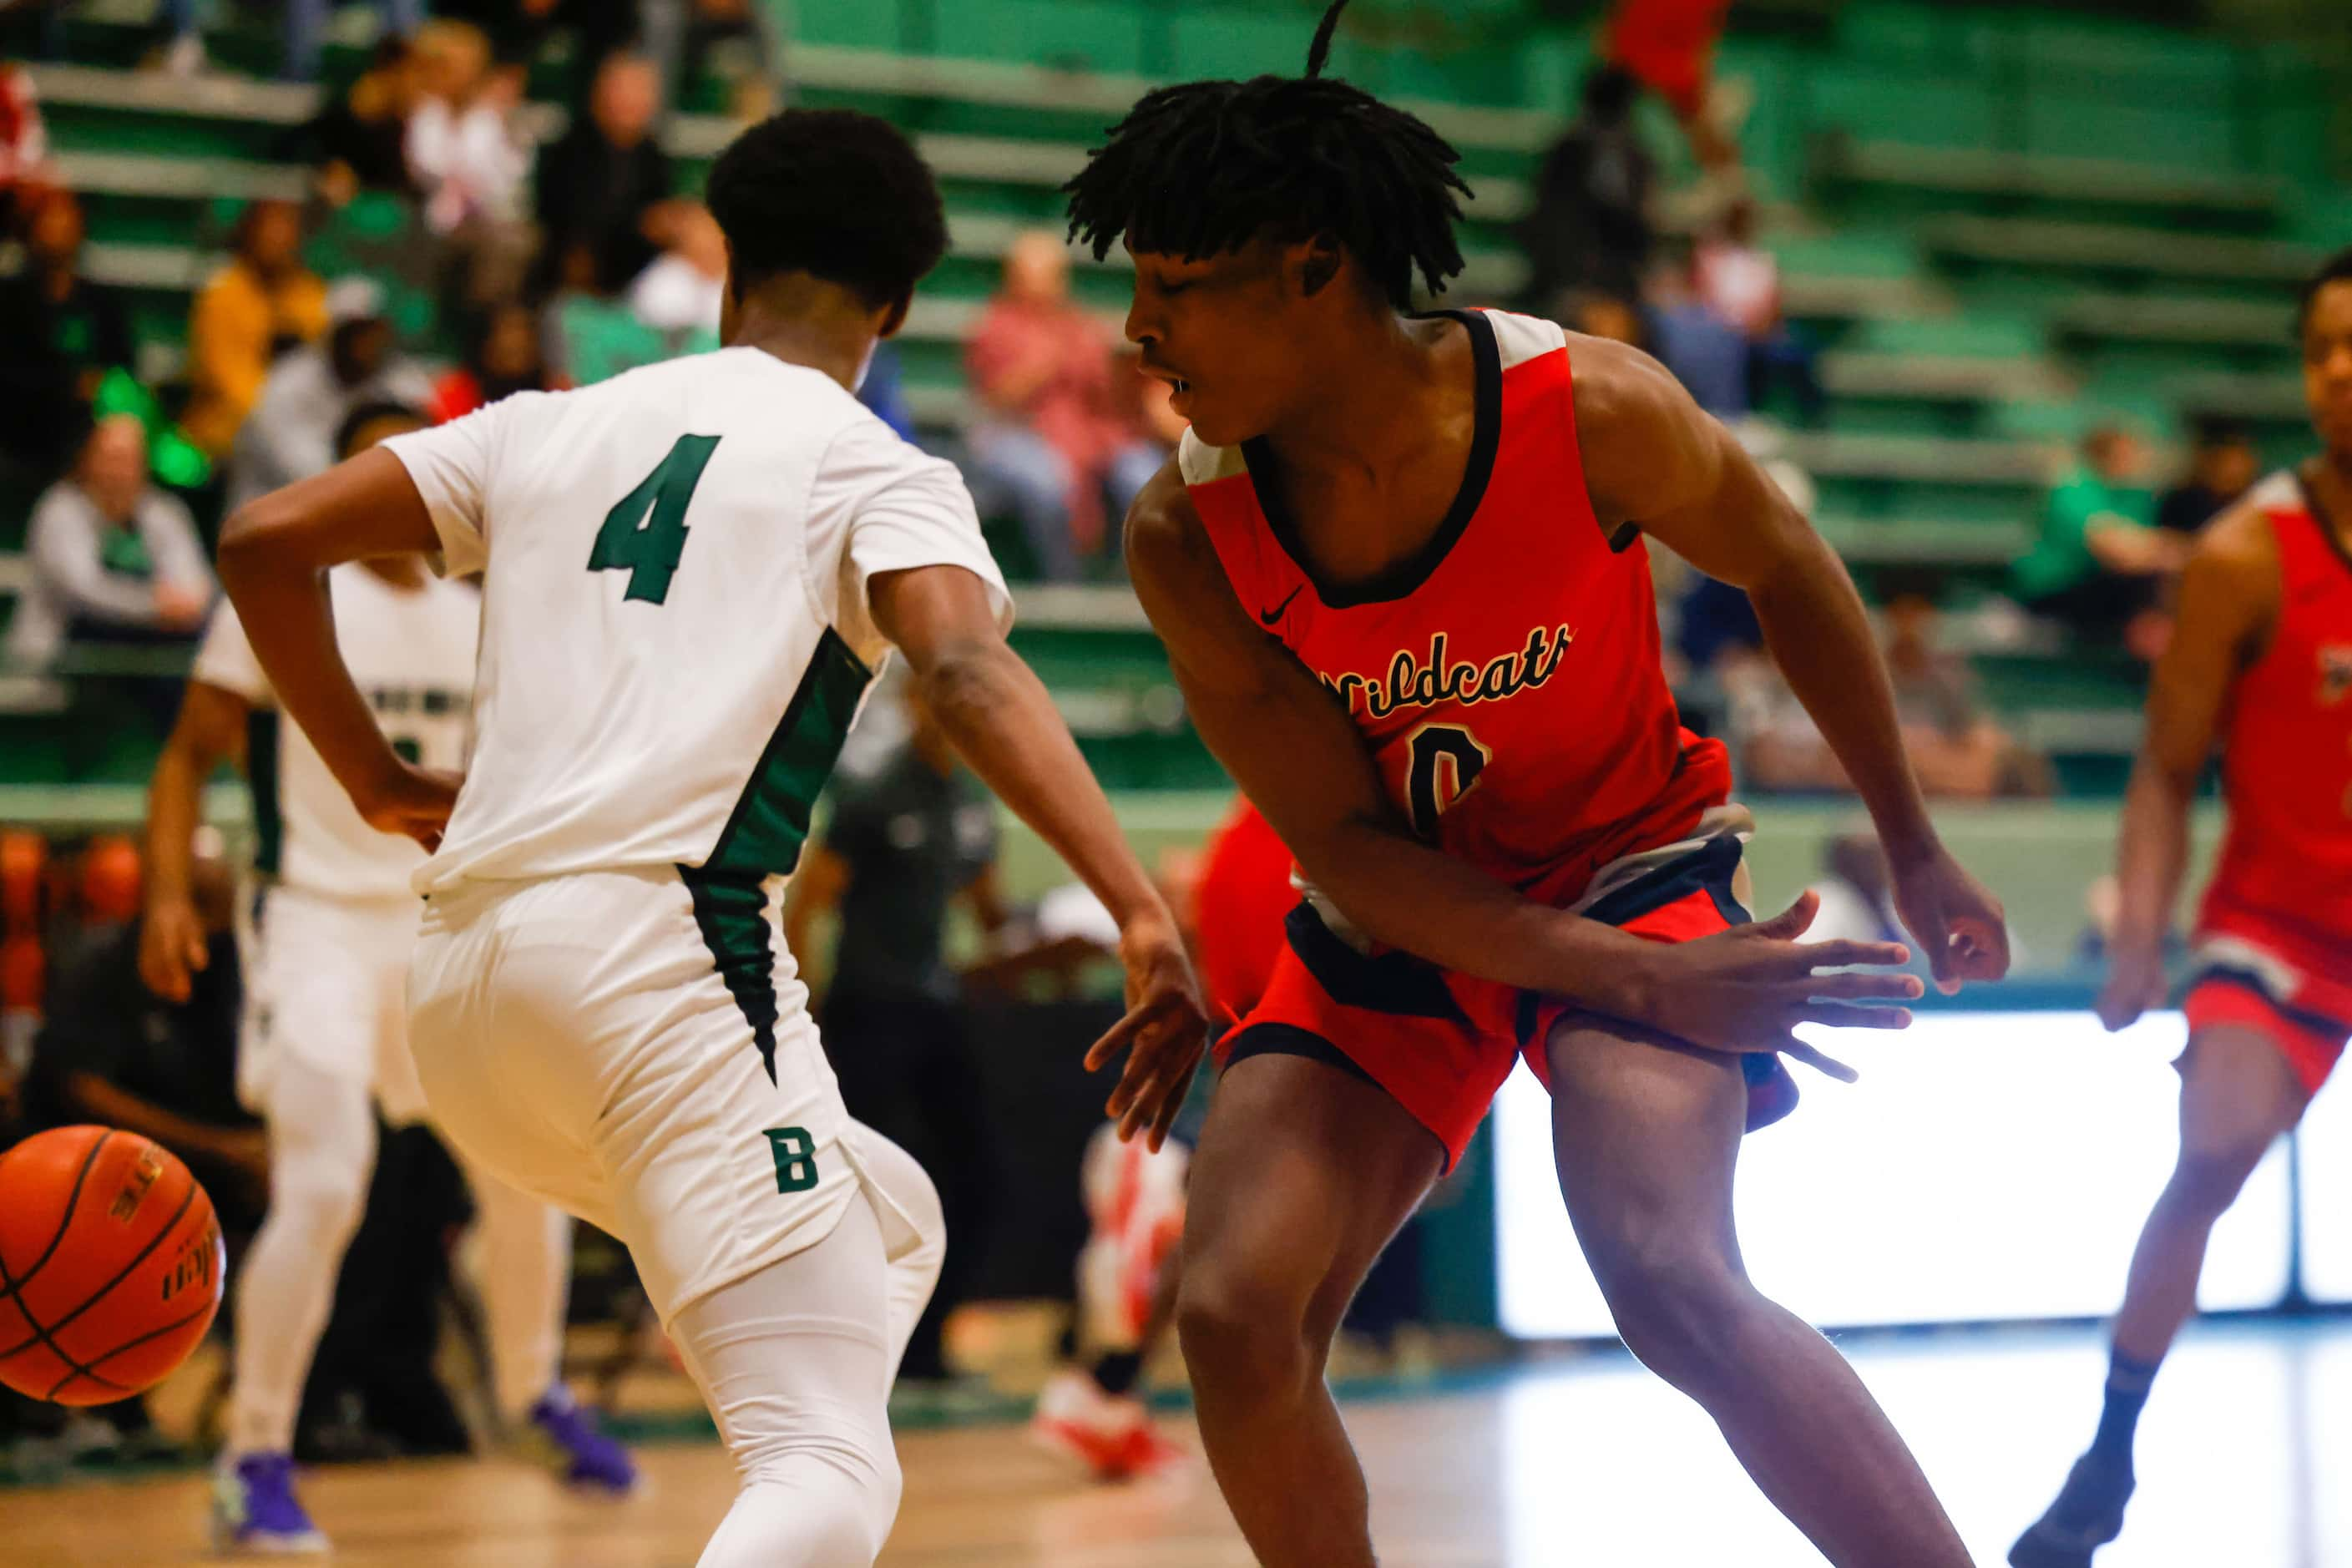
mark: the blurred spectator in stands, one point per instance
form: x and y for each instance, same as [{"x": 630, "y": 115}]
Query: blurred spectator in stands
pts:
[
  {"x": 503, "y": 357},
  {"x": 359, "y": 139},
  {"x": 1669, "y": 46},
  {"x": 518, "y": 29},
  {"x": 591, "y": 333},
  {"x": 262, "y": 304},
  {"x": 737, "y": 41},
  {"x": 113, "y": 558},
  {"x": 602, "y": 190},
  {"x": 2102, "y": 908},
  {"x": 2097, "y": 565},
  {"x": 911, "y": 835},
  {"x": 291, "y": 435},
  {"x": 2222, "y": 466},
  {"x": 1707, "y": 355},
  {"x": 1958, "y": 747},
  {"x": 306, "y": 29},
  {"x": 679, "y": 292},
  {"x": 24, "y": 146},
  {"x": 1057, "y": 433},
  {"x": 1590, "y": 227},
  {"x": 113, "y": 1052},
  {"x": 1598, "y": 314},
  {"x": 59, "y": 334},
  {"x": 1740, "y": 282},
  {"x": 468, "y": 155},
  {"x": 1858, "y": 896}
]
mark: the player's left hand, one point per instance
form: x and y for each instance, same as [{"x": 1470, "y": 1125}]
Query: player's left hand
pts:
[
  {"x": 1164, "y": 1032},
  {"x": 1959, "y": 924},
  {"x": 412, "y": 801}
]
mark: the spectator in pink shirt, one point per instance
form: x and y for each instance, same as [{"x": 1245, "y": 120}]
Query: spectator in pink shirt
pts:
[{"x": 1058, "y": 436}]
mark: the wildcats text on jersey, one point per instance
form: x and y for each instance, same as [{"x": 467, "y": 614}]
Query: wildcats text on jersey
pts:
[{"x": 1412, "y": 681}]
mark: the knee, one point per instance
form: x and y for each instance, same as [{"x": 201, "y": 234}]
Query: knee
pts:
[
  {"x": 2209, "y": 1174},
  {"x": 1678, "y": 1309},
  {"x": 1248, "y": 1333},
  {"x": 326, "y": 1198}
]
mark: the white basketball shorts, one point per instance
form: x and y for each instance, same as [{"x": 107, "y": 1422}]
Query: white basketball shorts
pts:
[{"x": 326, "y": 984}]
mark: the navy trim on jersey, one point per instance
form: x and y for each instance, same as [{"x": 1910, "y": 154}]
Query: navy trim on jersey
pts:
[
  {"x": 1290, "y": 1040},
  {"x": 1393, "y": 982}
]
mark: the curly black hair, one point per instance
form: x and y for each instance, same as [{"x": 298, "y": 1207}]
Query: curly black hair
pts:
[
  {"x": 1203, "y": 167},
  {"x": 833, "y": 193},
  {"x": 2336, "y": 269}
]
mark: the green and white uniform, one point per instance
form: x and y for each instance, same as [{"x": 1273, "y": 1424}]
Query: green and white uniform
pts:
[{"x": 675, "y": 639}]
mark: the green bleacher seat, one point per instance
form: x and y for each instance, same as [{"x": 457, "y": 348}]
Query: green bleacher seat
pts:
[
  {"x": 1984, "y": 176},
  {"x": 2117, "y": 249}
]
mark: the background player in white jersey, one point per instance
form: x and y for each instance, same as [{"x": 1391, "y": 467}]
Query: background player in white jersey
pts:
[
  {"x": 326, "y": 968},
  {"x": 690, "y": 574}
]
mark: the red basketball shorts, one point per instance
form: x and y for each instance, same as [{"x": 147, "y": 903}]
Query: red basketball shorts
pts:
[
  {"x": 1441, "y": 1043},
  {"x": 2263, "y": 979}
]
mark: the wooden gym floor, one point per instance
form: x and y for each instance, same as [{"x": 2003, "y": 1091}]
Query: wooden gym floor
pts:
[{"x": 1586, "y": 1461}]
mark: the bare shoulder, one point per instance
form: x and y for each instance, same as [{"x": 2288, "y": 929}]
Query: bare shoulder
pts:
[
  {"x": 1164, "y": 533},
  {"x": 1619, "y": 388},
  {"x": 2238, "y": 550},
  {"x": 1648, "y": 451}
]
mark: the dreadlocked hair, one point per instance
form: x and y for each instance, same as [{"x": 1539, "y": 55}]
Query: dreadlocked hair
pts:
[{"x": 1203, "y": 167}]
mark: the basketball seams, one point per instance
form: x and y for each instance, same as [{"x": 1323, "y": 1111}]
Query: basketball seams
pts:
[
  {"x": 43, "y": 1334},
  {"x": 81, "y": 1372},
  {"x": 12, "y": 1286}
]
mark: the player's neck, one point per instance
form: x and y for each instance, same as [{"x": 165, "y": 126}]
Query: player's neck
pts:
[
  {"x": 805, "y": 321},
  {"x": 1375, "y": 400}
]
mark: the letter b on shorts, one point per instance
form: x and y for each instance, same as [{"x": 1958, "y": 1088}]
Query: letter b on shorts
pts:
[{"x": 795, "y": 1153}]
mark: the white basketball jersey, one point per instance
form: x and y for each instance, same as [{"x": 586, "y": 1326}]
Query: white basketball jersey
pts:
[
  {"x": 675, "y": 634},
  {"x": 410, "y": 652}
]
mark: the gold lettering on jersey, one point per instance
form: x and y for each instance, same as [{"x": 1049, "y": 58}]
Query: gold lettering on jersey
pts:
[{"x": 1412, "y": 680}]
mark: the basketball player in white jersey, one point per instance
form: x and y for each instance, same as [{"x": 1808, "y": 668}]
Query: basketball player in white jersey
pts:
[
  {"x": 326, "y": 968},
  {"x": 690, "y": 574}
]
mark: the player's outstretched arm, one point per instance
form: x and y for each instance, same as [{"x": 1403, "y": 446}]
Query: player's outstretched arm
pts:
[
  {"x": 1653, "y": 458},
  {"x": 1296, "y": 755},
  {"x": 2229, "y": 597},
  {"x": 1001, "y": 720},
  {"x": 274, "y": 555},
  {"x": 211, "y": 728}
]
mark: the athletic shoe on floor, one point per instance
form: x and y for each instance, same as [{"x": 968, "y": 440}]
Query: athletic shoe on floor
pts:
[
  {"x": 569, "y": 1440},
  {"x": 1108, "y": 1435},
  {"x": 2088, "y": 1514},
  {"x": 255, "y": 1510}
]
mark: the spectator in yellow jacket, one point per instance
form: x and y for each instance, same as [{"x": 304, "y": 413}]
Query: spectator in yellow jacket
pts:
[{"x": 263, "y": 302}]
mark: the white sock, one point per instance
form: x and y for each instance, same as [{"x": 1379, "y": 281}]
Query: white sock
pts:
[{"x": 321, "y": 1155}]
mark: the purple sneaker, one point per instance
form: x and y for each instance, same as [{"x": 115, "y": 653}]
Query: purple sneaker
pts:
[
  {"x": 255, "y": 1509},
  {"x": 569, "y": 1439}
]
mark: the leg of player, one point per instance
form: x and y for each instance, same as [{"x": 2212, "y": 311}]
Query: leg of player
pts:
[
  {"x": 526, "y": 1283},
  {"x": 1646, "y": 1136},
  {"x": 2238, "y": 1095},
  {"x": 920, "y": 1246},
  {"x": 322, "y": 1152},
  {"x": 794, "y": 1363},
  {"x": 1303, "y": 1173}
]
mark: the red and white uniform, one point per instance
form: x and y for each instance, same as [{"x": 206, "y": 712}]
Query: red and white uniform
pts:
[
  {"x": 2274, "y": 934},
  {"x": 1508, "y": 685}
]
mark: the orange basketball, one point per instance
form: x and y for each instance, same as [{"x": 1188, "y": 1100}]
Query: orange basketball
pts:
[{"x": 110, "y": 1265}]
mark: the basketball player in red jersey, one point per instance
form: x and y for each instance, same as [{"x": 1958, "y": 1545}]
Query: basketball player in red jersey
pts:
[
  {"x": 1398, "y": 569},
  {"x": 2261, "y": 662}
]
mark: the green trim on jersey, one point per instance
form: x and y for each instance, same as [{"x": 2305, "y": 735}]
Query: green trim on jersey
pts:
[
  {"x": 771, "y": 820},
  {"x": 731, "y": 912},
  {"x": 765, "y": 832},
  {"x": 261, "y": 779}
]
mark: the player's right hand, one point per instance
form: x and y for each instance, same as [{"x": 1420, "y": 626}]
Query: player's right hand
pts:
[
  {"x": 1747, "y": 989},
  {"x": 2135, "y": 983},
  {"x": 1164, "y": 1032},
  {"x": 415, "y": 802},
  {"x": 171, "y": 947}
]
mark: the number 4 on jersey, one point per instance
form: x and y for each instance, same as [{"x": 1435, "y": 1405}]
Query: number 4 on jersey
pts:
[{"x": 644, "y": 535}]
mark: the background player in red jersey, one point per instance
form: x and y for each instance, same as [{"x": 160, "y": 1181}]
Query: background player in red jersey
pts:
[
  {"x": 1384, "y": 568},
  {"x": 2260, "y": 662}
]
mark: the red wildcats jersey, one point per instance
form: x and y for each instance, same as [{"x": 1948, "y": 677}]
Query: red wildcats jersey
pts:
[
  {"x": 1507, "y": 681},
  {"x": 2287, "y": 761}
]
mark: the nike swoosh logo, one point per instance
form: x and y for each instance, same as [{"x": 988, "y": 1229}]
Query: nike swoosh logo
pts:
[{"x": 1268, "y": 617}]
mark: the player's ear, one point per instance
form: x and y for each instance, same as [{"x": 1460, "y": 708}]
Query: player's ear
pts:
[
  {"x": 1314, "y": 264},
  {"x": 896, "y": 317}
]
